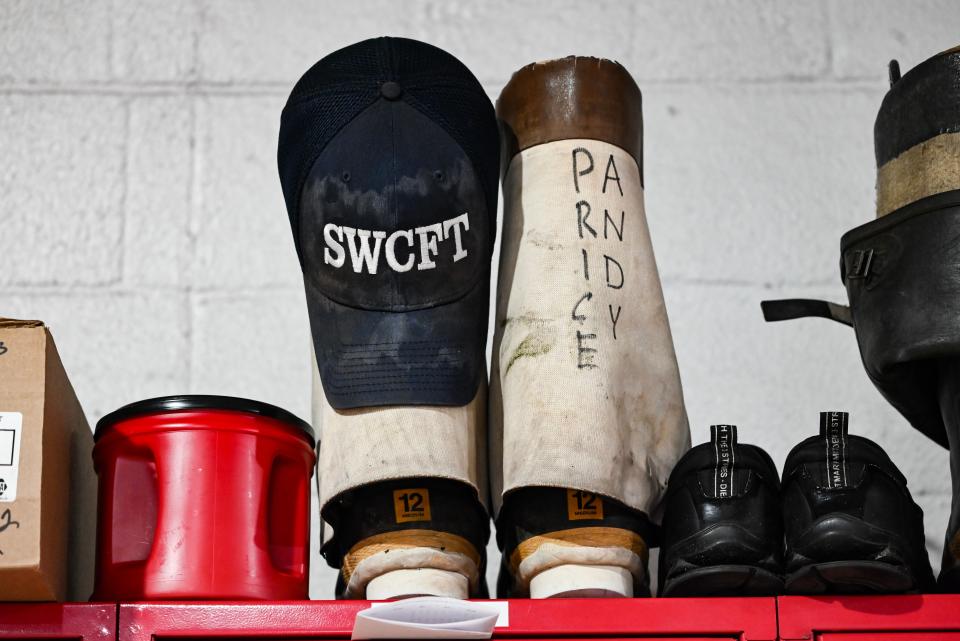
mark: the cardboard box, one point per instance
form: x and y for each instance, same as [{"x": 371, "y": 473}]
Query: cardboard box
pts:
[{"x": 47, "y": 482}]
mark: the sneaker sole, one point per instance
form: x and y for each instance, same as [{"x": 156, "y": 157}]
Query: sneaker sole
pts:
[
  {"x": 724, "y": 580},
  {"x": 851, "y": 577},
  {"x": 841, "y": 554}
]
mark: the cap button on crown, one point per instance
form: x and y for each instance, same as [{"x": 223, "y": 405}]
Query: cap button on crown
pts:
[{"x": 391, "y": 90}]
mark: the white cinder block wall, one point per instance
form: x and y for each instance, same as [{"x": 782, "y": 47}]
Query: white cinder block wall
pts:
[{"x": 141, "y": 215}]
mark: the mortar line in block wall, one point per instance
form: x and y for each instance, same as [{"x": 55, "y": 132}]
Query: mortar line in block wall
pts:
[
  {"x": 162, "y": 89},
  {"x": 65, "y": 289},
  {"x": 282, "y": 88},
  {"x": 22, "y": 290},
  {"x": 688, "y": 281}
]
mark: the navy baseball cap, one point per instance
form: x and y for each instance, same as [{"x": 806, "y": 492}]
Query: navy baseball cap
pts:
[{"x": 389, "y": 160}]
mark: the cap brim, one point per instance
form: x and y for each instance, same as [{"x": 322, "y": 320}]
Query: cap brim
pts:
[{"x": 369, "y": 358}]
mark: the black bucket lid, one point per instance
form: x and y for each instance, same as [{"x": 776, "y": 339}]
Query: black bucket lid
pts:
[{"x": 190, "y": 402}]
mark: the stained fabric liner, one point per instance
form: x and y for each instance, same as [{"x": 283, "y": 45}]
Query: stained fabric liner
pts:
[
  {"x": 397, "y": 447},
  {"x": 585, "y": 389},
  {"x": 364, "y": 446}
]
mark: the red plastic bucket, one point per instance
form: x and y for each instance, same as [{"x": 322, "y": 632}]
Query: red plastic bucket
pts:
[{"x": 203, "y": 497}]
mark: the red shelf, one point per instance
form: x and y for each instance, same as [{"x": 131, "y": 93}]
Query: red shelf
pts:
[
  {"x": 890, "y": 618},
  {"x": 611, "y": 619},
  {"x": 878, "y": 618},
  {"x": 83, "y": 621}
]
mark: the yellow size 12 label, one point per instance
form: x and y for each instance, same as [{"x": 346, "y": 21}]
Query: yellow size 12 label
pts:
[
  {"x": 411, "y": 505},
  {"x": 582, "y": 506}
]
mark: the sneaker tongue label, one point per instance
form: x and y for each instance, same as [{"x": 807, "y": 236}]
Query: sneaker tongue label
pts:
[
  {"x": 833, "y": 429},
  {"x": 723, "y": 437}
]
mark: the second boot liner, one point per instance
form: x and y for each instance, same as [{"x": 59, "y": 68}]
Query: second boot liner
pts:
[{"x": 581, "y": 337}]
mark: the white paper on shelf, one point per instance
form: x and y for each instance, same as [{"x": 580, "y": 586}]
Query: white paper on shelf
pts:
[{"x": 427, "y": 618}]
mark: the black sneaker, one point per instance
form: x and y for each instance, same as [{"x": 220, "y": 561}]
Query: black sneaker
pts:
[
  {"x": 851, "y": 525},
  {"x": 722, "y": 530}
]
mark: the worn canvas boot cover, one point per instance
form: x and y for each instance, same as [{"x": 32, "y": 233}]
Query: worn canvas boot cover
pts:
[
  {"x": 850, "y": 523},
  {"x": 585, "y": 393},
  {"x": 389, "y": 162},
  {"x": 399, "y": 533},
  {"x": 902, "y": 270},
  {"x": 722, "y": 529}
]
